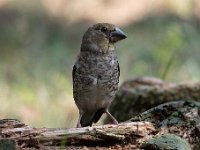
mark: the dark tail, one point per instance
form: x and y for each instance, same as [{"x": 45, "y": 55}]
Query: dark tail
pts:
[{"x": 88, "y": 118}]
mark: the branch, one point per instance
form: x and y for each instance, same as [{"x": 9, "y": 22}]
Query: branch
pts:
[{"x": 48, "y": 136}]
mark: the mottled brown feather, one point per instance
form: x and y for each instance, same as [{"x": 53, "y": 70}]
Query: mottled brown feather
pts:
[{"x": 95, "y": 73}]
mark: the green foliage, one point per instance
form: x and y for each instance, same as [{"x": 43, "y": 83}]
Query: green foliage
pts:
[{"x": 161, "y": 46}]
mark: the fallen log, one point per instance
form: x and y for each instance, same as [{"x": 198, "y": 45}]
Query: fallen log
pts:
[
  {"x": 180, "y": 118},
  {"x": 141, "y": 94},
  {"x": 26, "y": 136}
]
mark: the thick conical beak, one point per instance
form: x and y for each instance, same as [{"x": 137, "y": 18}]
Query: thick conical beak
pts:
[{"x": 117, "y": 35}]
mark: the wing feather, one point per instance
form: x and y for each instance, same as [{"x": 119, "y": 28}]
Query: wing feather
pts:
[
  {"x": 118, "y": 68},
  {"x": 73, "y": 72}
]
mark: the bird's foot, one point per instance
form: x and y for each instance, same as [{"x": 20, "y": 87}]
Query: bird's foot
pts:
[
  {"x": 114, "y": 121},
  {"x": 78, "y": 125}
]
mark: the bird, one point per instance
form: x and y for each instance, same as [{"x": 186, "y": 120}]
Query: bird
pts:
[{"x": 96, "y": 73}]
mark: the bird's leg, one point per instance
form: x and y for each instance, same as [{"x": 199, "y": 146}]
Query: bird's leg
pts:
[
  {"x": 114, "y": 121},
  {"x": 79, "y": 121}
]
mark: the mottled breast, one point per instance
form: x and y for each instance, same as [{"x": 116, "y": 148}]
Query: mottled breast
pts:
[{"x": 96, "y": 79}]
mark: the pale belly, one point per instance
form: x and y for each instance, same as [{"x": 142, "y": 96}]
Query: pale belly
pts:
[{"x": 95, "y": 94}]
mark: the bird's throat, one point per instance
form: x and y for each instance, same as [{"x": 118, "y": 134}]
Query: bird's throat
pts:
[{"x": 98, "y": 49}]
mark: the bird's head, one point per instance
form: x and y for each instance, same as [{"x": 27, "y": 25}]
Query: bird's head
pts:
[{"x": 101, "y": 37}]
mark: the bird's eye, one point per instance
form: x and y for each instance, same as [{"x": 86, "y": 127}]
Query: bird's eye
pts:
[{"x": 104, "y": 29}]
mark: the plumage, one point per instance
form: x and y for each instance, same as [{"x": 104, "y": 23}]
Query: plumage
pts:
[{"x": 96, "y": 73}]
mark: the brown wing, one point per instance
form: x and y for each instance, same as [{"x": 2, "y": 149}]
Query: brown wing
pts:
[
  {"x": 73, "y": 72},
  {"x": 118, "y": 68}
]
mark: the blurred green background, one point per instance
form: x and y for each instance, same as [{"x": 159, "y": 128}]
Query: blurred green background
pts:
[{"x": 39, "y": 41}]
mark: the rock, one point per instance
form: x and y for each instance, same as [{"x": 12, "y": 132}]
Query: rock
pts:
[
  {"x": 7, "y": 144},
  {"x": 166, "y": 142}
]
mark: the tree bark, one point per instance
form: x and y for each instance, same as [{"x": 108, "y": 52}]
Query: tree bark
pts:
[
  {"x": 26, "y": 136},
  {"x": 180, "y": 118}
]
